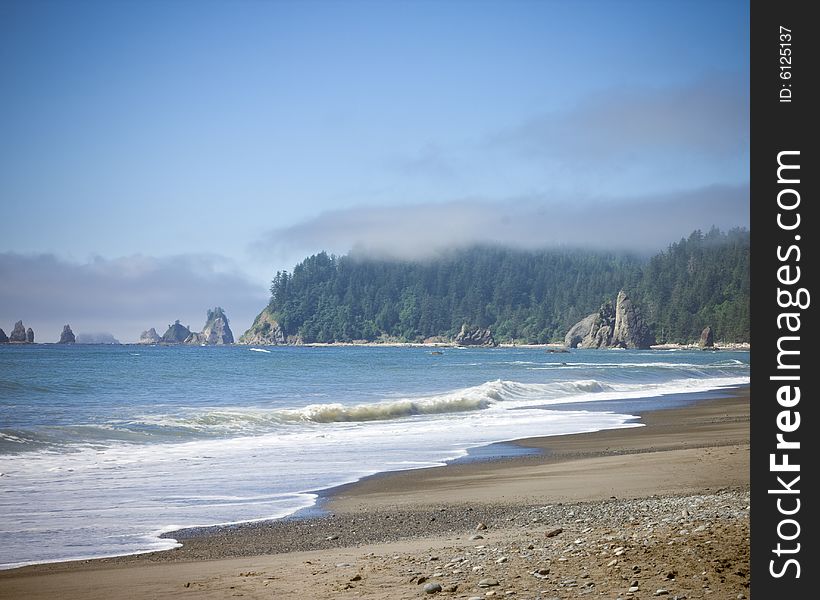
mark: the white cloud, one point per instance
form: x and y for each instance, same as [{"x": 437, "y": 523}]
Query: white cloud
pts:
[
  {"x": 644, "y": 224},
  {"x": 706, "y": 119},
  {"x": 122, "y": 296}
]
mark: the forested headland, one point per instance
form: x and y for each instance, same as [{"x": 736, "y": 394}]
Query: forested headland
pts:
[{"x": 521, "y": 296}]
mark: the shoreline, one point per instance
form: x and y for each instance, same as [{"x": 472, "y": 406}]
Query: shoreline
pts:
[
  {"x": 714, "y": 419},
  {"x": 530, "y": 449},
  {"x": 681, "y": 453},
  {"x": 725, "y": 346}
]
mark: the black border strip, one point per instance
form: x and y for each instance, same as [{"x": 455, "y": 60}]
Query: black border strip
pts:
[{"x": 783, "y": 99}]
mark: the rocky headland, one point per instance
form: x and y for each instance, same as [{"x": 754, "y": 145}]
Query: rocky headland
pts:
[{"x": 265, "y": 331}]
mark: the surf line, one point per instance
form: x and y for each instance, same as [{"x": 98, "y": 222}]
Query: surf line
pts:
[{"x": 791, "y": 300}]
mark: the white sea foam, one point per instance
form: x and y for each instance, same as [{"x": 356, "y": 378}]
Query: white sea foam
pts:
[
  {"x": 500, "y": 394},
  {"x": 259, "y": 350}
]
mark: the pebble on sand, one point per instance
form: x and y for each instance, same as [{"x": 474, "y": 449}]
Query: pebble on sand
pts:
[{"x": 432, "y": 588}]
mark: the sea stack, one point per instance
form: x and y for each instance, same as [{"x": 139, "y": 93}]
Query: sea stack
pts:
[
  {"x": 29, "y": 336},
  {"x": 620, "y": 326},
  {"x": 67, "y": 336},
  {"x": 4, "y": 339},
  {"x": 176, "y": 334},
  {"x": 150, "y": 337},
  {"x": 707, "y": 338},
  {"x": 18, "y": 334},
  {"x": 216, "y": 332}
]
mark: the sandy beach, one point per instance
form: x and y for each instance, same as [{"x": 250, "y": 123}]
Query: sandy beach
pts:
[{"x": 655, "y": 511}]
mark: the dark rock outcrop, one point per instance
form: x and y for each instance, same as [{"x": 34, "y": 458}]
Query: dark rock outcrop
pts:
[
  {"x": 596, "y": 328},
  {"x": 216, "y": 331},
  {"x": 4, "y": 339},
  {"x": 176, "y": 334},
  {"x": 29, "y": 336},
  {"x": 581, "y": 331},
  {"x": 18, "y": 334},
  {"x": 67, "y": 336},
  {"x": 618, "y": 327},
  {"x": 474, "y": 336},
  {"x": 265, "y": 331},
  {"x": 149, "y": 337},
  {"x": 630, "y": 329},
  {"x": 707, "y": 338}
]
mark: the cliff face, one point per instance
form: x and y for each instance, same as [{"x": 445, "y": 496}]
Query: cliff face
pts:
[
  {"x": 216, "y": 330},
  {"x": 67, "y": 336},
  {"x": 618, "y": 327},
  {"x": 265, "y": 331}
]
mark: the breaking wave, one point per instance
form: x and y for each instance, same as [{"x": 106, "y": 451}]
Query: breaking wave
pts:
[{"x": 476, "y": 398}]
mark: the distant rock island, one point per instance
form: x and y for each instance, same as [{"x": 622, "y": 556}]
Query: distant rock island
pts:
[
  {"x": 19, "y": 335},
  {"x": 149, "y": 337},
  {"x": 176, "y": 333},
  {"x": 216, "y": 332},
  {"x": 67, "y": 336},
  {"x": 618, "y": 327}
]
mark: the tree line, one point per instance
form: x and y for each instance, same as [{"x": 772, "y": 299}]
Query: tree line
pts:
[{"x": 522, "y": 296}]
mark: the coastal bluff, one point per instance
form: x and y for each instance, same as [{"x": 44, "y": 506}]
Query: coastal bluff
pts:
[
  {"x": 621, "y": 326},
  {"x": 265, "y": 331}
]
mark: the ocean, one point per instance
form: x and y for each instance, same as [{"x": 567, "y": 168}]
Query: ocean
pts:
[{"x": 105, "y": 448}]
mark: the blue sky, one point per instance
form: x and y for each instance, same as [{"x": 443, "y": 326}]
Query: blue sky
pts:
[{"x": 227, "y": 140}]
